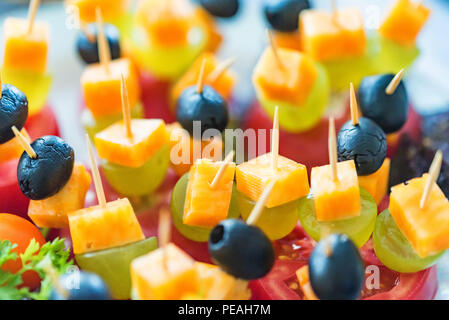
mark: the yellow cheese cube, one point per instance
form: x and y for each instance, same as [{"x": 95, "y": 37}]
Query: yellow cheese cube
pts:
[
  {"x": 23, "y": 50},
  {"x": 325, "y": 36},
  {"x": 254, "y": 176},
  {"x": 336, "y": 199},
  {"x": 159, "y": 275},
  {"x": 426, "y": 229},
  {"x": 377, "y": 183},
  {"x": 110, "y": 9}
]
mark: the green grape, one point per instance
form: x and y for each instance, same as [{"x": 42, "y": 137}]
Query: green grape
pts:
[
  {"x": 166, "y": 63},
  {"x": 113, "y": 264},
  {"x": 394, "y": 250},
  {"x": 139, "y": 181},
  {"x": 301, "y": 118},
  {"x": 199, "y": 234},
  {"x": 276, "y": 222},
  {"x": 93, "y": 126},
  {"x": 393, "y": 56},
  {"x": 358, "y": 229},
  {"x": 344, "y": 71},
  {"x": 36, "y": 86}
]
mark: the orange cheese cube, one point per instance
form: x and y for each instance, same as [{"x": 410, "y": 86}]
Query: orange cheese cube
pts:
[
  {"x": 86, "y": 9},
  {"x": 255, "y": 175},
  {"x": 167, "y": 24},
  {"x": 52, "y": 212},
  {"x": 113, "y": 144},
  {"x": 214, "y": 38},
  {"x": 98, "y": 228},
  {"x": 327, "y": 37},
  {"x": 288, "y": 40},
  {"x": 426, "y": 229},
  {"x": 23, "y": 50},
  {"x": 377, "y": 183},
  {"x": 336, "y": 200},
  {"x": 12, "y": 149},
  {"x": 154, "y": 279},
  {"x": 292, "y": 82},
  {"x": 304, "y": 282},
  {"x": 204, "y": 206},
  {"x": 102, "y": 90},
  {"x": 224, "y": 84},
  {"x": 404, "y": 21},
  {"x": 215, "y": 284},
  {"x": 183, "y": 147}
]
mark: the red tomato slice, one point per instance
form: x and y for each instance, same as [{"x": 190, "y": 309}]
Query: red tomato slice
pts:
[
  {"x": 20, "y": 231},
  {"x": 42, "y": 124},
  {"x": 12, "y": 199}
]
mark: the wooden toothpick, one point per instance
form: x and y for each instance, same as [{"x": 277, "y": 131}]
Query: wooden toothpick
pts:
[
  {"x": 275, "y": 50},
  {"x": 353, "y": 105},
  {"x": 434, "y": 172},
  {"x": 334, "y": 10},
  {"x": 89, "y": 35},
  {"x": 103, "y": 45},
  {"x": 200, "y": 81},
  {"x": 220, "y": 70},
  {"x": 96, "y": 175},
  {"x": 1, "y": 93},
  {"x": 34, "y": 4},
  {"x": 164, "y": 234},
  {"x": 222, "y": 169},
  {"x": 333, "y": 159},
  {"x": 394, "y": 83},
  {"x": 275, "y": 140},
  {"x": 258, "y": 208},
  {"x": 24, "y": 143},
  {"x": 126, "y": 110}
]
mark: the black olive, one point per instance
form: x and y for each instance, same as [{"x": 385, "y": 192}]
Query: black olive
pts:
[
  {"x": 88, "y": 50},
  {"x": 208, "y": 107},
  {"x": 283, "y": 15},
  {"x": 13, "y": 111},
  {"x": 81, "y": 285},
  {"x": 241, "y": 250},
  {"x": 336, "y": 269},
  {"x": 365, "y": 143},
  {"x": 45, "y": 175},
  {"x": 221, "y": 8},
  {"x": 390, "y": 112}
]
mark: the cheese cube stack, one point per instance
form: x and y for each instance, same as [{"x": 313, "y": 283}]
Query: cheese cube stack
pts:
[
  {"x": 52, "y": 212},
  {"x": 327, "y": 37},
  {"x": 404, "y": 22},
  {"x": 204, "y": 206},
  {"x": 336, "y": 199},
  {"x": 102, "y": 90},
  {"x": 377, "y": 183},
  {"x": 26, "y": 51},
  {"x": 255, "y": 175},
  {"x": 290, "y": 82},
  {"x": 426, "y": 229},
  {"x": 98, "y": 228},
  {"x": 154, "y": 279},
  {"x": 113, "y": 145}
]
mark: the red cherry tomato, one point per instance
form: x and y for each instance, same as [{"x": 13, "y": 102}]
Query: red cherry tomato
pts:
[
  {"x": 42, "y": 124},
  {"x": 20, "y": 231},
  {"x": 12, "y": 199}
]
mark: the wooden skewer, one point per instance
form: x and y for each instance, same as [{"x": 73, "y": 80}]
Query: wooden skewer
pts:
[
  {"x": 275, "y": 50},
  {"x": 394, "y": 83},
  {"x": 334, "y": 10},
  {"x": 96, "y": 175},
  {"x": 434, "y": 172},
  {"x": 164, "y": 234},
  {"x": 275, "y": 140},
  {"x": 220, "y": 70},
  {"x": 34, "y": 4},
  {"x": 353, "y": 105},
  {"x": 1, "y": 93},
  {"x": 24, "y": 143},
  {"x": 222, "y": 169},
  {"x": 258, "y": 208},
  {"x": 126, "y": 110},
  {"x": 200, "y": 82},
  {"x": 103, "y": 45},
  {"x": 89, "y": 35},
  {"x": 333, "y": 159},
  {"x": 325, "y": 233}
]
